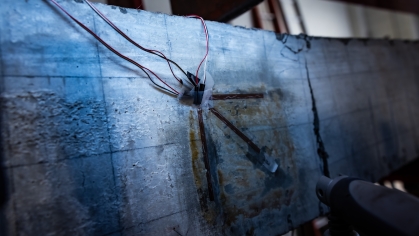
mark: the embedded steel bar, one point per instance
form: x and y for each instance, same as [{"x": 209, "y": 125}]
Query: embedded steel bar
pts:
[
  {"x": 205, "y": 154},
  {"x": 235, "y": 130},
  {"x": 236, "y": 96}
]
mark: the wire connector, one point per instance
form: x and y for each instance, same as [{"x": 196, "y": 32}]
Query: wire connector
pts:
[
  {"x": 198, "y": 94},
  {"x": 192, "y": 79}
]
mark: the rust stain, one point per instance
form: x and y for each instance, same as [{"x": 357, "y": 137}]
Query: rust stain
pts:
[
  {"x": 220, "y": 176},
  {"x": 205, "y": 154},
  {"x": 194, "y": 151},
  {"x": 253, "y": 196},
  {"x": 198, "y": 169},
  {"x": 244, "y": 188},
  {"x": 255, "y": 204},
  {"x": 243, "y": 182},
  {"x": 235, "y": 130},
  {"x": 271, "y": 200}
]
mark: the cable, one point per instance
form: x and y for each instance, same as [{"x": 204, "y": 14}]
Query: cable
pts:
[
  {"x": 155, "y": 52},
  {"x": 207, "y": 39},
  {"x": 206, "y": 54},
  {"x": 118, "y": 53},
  {"x": 205, "y": 69}
]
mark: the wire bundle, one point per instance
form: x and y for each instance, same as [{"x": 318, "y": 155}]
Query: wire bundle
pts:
[
  {"x": 206, "y": 54},
  {"x": 168, "y": 88}
]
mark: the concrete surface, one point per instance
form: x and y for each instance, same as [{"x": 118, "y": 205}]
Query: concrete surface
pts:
[{"x": 90, "y": 147}]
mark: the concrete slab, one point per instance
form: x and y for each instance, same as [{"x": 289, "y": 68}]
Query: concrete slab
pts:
[{"x": 89, "y": 146}]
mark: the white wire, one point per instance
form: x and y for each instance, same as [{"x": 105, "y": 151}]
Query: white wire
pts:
[
  {"x": 206, "y": 58},
  {"x": 205, "y": 69}
]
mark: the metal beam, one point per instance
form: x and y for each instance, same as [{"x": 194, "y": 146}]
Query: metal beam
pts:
[
  {"x": 411, "y": 6},
  {"x": 217, "y": 10},
  {"x": 137, "y": 4}
]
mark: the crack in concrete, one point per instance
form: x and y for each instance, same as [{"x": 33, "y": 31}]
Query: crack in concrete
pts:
[{"x": 321, "y": 150}]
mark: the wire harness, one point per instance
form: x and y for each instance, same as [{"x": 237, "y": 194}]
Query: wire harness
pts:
[{"x": 165, "y": 86}]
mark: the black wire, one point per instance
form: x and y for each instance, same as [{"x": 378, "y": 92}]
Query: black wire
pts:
[
  {"x": 136, "y": 44},
  {"x": 161, "y": 87},
  {"x": 142, "y": 48},
  {"x": 116, "y": 52},
  {"x": 191, "y": 81},
  {"x": 123, "y": 57}
]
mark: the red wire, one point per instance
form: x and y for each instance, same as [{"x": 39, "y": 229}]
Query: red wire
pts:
[
  {"x": 132, "y": 41},
  {"x": 206, "y": 37},
  {"x": 110, "y": 47}
]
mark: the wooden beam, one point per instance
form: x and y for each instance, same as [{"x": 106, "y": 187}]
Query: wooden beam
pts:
[
  {"x": 216, "y": 10},
  {"x": 411, "y": 6},
  {"x": 257, "y": 19},
  {"x": 279, "y": 21},
  {"x": 138, "y": 4}
]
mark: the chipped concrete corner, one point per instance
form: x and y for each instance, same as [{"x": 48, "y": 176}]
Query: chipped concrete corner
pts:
[{"x": 90, "y": 148}]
